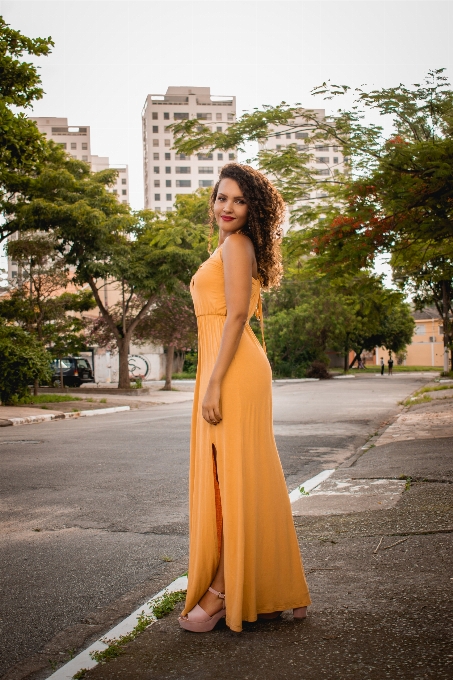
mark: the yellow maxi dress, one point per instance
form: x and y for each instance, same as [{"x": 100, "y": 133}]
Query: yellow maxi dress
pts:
[{"x": 236, "y": 487}]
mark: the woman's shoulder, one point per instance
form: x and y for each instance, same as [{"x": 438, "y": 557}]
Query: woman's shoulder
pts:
[{"x": 238, "y": 243}]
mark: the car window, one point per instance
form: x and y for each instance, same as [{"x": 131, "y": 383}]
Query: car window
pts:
[
  {"x": 83, "y": 363},
  {"x": 65, "y": 363}
]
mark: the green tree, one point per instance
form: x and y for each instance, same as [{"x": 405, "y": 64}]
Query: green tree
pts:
[
  {"x": 22, "y": 147},
  {"x": 396, "y": 194},
  {"x": 136, "y": 254},
  {"x": 23, "y": 360}
]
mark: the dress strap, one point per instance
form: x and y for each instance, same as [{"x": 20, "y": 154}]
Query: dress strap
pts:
[{"x": 259, "y": 316}]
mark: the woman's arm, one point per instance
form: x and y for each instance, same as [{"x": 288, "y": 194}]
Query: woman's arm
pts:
[{"x": 238, "y": 258}]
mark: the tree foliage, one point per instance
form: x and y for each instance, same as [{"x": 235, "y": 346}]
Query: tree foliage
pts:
[
  {"x": 22, "y": 147},
  {"x": 23, "y": 360}
]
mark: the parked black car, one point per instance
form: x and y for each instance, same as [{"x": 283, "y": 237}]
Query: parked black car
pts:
[{"x": 76, "y": 370}]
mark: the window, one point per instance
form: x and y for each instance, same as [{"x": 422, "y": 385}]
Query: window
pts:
[
  {"x": 114, "y": 192},
  {"x": 301, "y": 135},
  {"x": 218, "y": 116},
  {"x": 156, "y": 170},
  {"x": 441, "y": 328},
  {"x": 169, "y": 208},
  {"x": 220, "y": 156},
  {"x": 84, "y": 146},
  {"x": 219, "y": 170},
  {"x": 335, "y": 160},
  {"x": 73, "y": 145},
  {"x": 157, "y": 208},
  {"x": 125, "y": 202},
  {"x": 167, "y": 157},
  {"x": 157, "y": 182},
  {"x": 321, "y": 147},
  {"x": 322, "y": 159},
  {"x": 157, "y": 197},
  {"x": 166, "y": 115},
  {"x": 123, "y": 180},
  {"x": 155, "y": 156},
  {"x": 420, "y": 329},
  {"x": 124, "y": 192},
  {"x": 230, "y": 116},
  {"x": 301, "y": 147},
  {"x": 168, "y": 197},
  {"x": 278, "y": 135},
  {"x": 155, "y": 129},
  {"x": 288, "y": 135},
  {"x": 205, "y": 182},
  {"x": 279, "y": 146},
  {"x": 204, "y": 116},
  {"x": 182, "y": 170},
  {"x": 168, "y": 170},
  {"x": 183, "y": 183},
  {"x": 204, "y": 156},
  {"x": 155, "y": 115},
  {"x": 168, "y": 182},
  {"x": 231, "y": 156},
  {"x": 62, "y": 144},
  {"x": 323, "y": 172},
  {"x": 181, "y": 157},
  {"x": 166, "y": 142},
  {"x": 219, "y": 128},
  {"x": 155, "y": 142},
  {"x": 336, "y": 149},
  {"x": 206, "y": 170},
  {"x": 85, "y": 158},
  {"x": 178, "y": 115}
]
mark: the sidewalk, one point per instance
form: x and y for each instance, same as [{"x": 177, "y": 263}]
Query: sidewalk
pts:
[{"x": 377, "y": 542}]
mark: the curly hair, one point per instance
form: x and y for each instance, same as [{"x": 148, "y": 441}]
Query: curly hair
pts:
[{"x": 264, "y": 222}]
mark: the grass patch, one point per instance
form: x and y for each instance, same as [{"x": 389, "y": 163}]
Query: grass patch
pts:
[
  {"x": 184, "y": 376},
  {"x": 160, "y": 608},
  {"x": 50, "y": 398},
  {"x": 398, "y": 369},
  {"x": 422, "y": 395},
  {"x": 102, "y": 401}
]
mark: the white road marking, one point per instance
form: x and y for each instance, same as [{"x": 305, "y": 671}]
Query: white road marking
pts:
[{"x": 309, "y": 485}]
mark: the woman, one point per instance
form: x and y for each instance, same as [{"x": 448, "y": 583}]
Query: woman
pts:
[{"x": 243, "y": 546}]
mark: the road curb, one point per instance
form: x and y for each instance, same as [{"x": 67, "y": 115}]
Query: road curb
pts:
[{"x": 46, "y": 417}]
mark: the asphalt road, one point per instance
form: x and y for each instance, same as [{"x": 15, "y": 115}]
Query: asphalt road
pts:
[{"x": 94, "y": 511}]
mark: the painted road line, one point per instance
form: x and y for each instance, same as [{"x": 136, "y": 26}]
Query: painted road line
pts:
[
  {"x": 84, "y": 660},
  {"x": 309, "y": 485}
]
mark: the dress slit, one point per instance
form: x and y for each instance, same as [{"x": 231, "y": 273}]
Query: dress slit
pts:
[{"x": 218, "y": 501}]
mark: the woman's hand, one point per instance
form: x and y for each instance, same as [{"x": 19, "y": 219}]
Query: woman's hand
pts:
[{"x": 210, "y": 408}]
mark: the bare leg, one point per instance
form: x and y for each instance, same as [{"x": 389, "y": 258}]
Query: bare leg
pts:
[{"x": 210, "y": 602}]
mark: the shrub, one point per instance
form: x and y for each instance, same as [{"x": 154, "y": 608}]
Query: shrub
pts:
[
  {"x": 318, "y": 370},
  {"x": 22, "y": 361}
]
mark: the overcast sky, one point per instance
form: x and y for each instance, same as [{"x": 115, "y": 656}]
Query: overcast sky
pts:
[{"x": 110, "y": 54}]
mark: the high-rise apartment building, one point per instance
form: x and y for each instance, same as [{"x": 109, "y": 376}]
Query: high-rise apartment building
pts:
[
  {"x": 167, "y": 173},
  {"x": 75, "y": 140},
  {"x": 327, "y": 158}
]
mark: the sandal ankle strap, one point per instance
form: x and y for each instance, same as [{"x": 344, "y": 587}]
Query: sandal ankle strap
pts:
[{"x": 216, "y": 592}]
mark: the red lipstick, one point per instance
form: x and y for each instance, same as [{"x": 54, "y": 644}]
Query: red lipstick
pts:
[{"x": 226, "y": 218}]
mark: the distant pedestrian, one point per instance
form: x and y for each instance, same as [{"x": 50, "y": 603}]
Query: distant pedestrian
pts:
[
  {"x": 361, "y": 364},
  {"x": 390, "y": 363},
  {"x": 382, "y": 366}
]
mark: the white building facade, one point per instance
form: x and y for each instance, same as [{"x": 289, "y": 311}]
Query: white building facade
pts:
[{"x": 167, "y": 173}]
